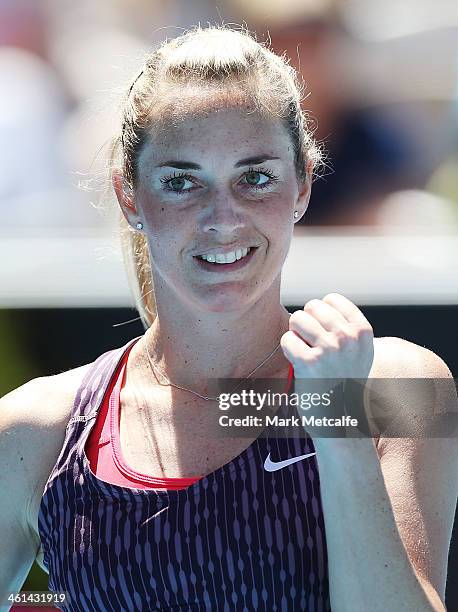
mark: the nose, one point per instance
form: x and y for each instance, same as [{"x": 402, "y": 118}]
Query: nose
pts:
[{"x": 222, "y": 214}]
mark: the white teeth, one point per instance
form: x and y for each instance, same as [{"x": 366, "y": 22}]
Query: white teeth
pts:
[{"x": 224, "y": 258}]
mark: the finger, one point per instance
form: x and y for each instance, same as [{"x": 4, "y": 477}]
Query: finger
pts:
[
  {"x": 348, "y": 310},
  {"x": 307, "y": 327},
  {"x": 297, "y": 351},
  {"x": 330, "y": 318}
]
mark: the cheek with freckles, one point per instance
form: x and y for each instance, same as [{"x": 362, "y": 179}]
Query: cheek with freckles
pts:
[
  {"x": 155, "y": 214},
  {"x": 167, "y": 237},
  {"x": 162, "y": 222},
  {"x": 278, "y": 224}
]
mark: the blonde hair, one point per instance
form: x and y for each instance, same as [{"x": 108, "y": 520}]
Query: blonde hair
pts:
[{"x": 201, "y": 60}]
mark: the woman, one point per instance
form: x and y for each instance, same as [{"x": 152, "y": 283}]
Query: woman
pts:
[{"x": 112, "y": 470}]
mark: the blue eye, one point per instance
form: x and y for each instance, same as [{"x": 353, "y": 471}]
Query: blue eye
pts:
[
  {"x": 177, "y": 182},
  {"x": 253, "y": 178},
  {"x": 260, "y": 179}
]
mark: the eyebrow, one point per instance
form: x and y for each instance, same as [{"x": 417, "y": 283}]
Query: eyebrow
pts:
[{"x": 187, "y": 165}]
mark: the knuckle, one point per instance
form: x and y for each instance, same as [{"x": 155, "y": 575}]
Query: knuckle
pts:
[
  {"x": 284, "y": 340},
  {"x": 296, "y": 317},
  {"x": 345, "y": 337},
  {"x": 331, "y": 296},
  {"x": 364, "y": 331},
  {"x": 311, "y": 304}
]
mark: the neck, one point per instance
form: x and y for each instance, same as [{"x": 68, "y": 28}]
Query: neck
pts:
[{"x": 188, "y": 348}]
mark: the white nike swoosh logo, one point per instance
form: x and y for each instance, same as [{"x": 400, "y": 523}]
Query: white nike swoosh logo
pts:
[{"x": 273, "y": 466}]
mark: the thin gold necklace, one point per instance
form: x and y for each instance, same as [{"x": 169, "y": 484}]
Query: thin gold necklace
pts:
[{"x": 204, "y": 397}]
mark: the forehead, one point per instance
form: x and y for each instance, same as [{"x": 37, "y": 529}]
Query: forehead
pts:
[
  {"x": 217, "y": 138},
  {"x": 207, "y": 115},
  {"x": 220, "y": 122}
]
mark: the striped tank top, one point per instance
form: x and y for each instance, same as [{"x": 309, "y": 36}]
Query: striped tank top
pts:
[{"x": 239, "y": 539}]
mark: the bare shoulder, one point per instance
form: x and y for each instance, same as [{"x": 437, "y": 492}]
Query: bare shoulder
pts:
[
  {"x": 33, "y": 419},
  {"x": 43, "y": 402},
  {"x": 399, "y": 358},
  {"x": 396, "y": 358}
]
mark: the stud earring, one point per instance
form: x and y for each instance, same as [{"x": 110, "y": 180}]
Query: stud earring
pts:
[
  {"x": 139, "y": 225},
  {"x": 296, "y": 214}
]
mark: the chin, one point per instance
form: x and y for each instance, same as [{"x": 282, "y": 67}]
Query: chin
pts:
[{"x": 227, "y": 300}]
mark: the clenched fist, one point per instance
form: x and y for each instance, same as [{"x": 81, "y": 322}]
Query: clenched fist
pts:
[{"x": 329, "y": 341}]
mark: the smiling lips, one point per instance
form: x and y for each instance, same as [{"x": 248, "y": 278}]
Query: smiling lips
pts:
[
  {"x": 225, "y": 258},
  {"x": 232, "y": 260}
]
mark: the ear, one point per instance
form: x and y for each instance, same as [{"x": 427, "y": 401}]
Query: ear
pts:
[
  {"x": 125, "y": 197},
  {"x": 305, "y": 189}
]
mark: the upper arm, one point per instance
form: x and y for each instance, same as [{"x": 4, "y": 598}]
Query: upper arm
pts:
[
  {"x": 33, "y": 419},
  {"x": 421, "y": 476},
  {"x": 19, "y": 441}
]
